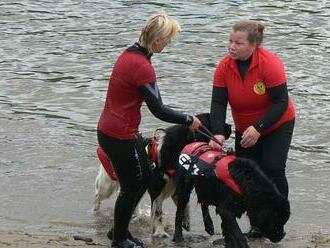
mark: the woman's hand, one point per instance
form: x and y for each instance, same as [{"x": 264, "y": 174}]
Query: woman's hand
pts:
[
  {"x": 216, "y": 145},
  {"x": 195, "y": 124},
  {"x": 249, "y": 137}
]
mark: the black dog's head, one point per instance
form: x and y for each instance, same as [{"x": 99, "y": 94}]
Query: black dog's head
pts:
[
  {"x": 178, "y": 136},
  {"x": 267, "y": 209},
  {"x": 270, "y": 217}
]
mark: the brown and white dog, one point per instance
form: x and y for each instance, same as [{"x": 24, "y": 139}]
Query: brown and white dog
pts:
[
  {"x": 162, "y": 187},
  {"x": 106, "y": 183},
  {"x": 163, "y": 151}
]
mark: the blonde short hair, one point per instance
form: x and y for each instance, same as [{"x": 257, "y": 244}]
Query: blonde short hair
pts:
[{"x": 159, "y": 26}]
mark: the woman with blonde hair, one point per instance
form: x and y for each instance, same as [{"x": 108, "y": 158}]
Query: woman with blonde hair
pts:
[{"x": 132, "y": 82}]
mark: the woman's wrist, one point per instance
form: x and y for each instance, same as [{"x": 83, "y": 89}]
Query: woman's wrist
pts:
[{"x": 189, "y": 120}]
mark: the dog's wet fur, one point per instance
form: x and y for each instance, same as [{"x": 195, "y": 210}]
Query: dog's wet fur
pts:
[
  {"x": 267, "y": 209},
  {"x": 162, "y": 186},
  {"x": 260, "y": 199}
]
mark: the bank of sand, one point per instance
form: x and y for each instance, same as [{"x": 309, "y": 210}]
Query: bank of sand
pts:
[{"x": 28, "y": 240}]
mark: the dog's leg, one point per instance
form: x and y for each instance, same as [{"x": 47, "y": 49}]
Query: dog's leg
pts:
[
  {"x": 138, "y": 211},
  {"x": 186, "y": 214},
  {"x": 160, "y": 189},
  {"x": 104, "y": 187},
  {"x": 158, "y": 229},
  {"x": 231, "y": 231},
  {"x": 208, "y": 223},
  {"x": 184, "y": 188}
]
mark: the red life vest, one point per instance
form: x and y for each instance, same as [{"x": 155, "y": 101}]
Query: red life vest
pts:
[
  {"x": 206, "y": 154},
  {"x": 106, "y": 163},
  {"x": 151, "y": 150},
  {"x": 209, "y": 155}
]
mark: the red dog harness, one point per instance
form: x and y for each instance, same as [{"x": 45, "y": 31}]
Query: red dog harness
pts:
[
  {"x": 106, "y": 163},
  {"x": 217, "y": 158},
  {"x": 201, "y": 149},
  {"x": 151, "y": 150}
]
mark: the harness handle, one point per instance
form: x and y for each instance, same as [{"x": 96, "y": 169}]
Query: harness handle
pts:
[
  {"x": 208, "y": 135},
  {"x": 207, "y": 130}
]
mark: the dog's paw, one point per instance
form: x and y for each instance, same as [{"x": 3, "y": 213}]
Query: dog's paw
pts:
[
  {"x": 210, "y": 230},
  {"x": 209, "y": 227},
  {"x": 97, "y": 205},
  {"x": 160, "y": 233},
  {"x": 186, "y": 218},
  {"x": 219, "y": 242},
  {"x": 186, "y": 224},
  {"x": 177, "y": 238}
]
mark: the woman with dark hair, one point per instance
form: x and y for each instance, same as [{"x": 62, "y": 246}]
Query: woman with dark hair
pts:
[{"x": 253, "y": 81}]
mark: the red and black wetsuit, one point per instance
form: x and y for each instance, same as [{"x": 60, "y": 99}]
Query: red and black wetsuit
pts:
[
  {"x": 257, "y": 93},
  {"x": 132, "y": 82}
]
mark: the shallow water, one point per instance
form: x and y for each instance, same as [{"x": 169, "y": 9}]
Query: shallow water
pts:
[{"x": 54, "y": 65}]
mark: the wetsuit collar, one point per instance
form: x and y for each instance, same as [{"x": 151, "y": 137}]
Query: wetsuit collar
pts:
[
  {"x": 247, "y": 61},
  {"x": 137, "y": 48},
  {"x": 243, "y": 66}
]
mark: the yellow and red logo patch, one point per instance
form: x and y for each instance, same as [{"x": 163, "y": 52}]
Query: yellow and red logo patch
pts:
[{"x": 259, "y": 88}]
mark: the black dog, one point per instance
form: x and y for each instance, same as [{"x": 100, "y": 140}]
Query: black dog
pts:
[
  {"x": 267, "y": 209},
  {"x": 163, "y": 183},
  {"x": 166, "y": 149}
]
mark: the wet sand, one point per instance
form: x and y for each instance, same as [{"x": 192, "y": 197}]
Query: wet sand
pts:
[
  {"x": 28, "y": 240},
  {"x": 18, "y": 239}
]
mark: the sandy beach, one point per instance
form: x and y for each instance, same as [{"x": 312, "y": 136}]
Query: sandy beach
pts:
[
  {"x": 28, "y": 240},
  {"x": 19, "y": 239}
]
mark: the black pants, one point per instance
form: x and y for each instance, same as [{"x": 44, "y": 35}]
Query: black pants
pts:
[
  {"x": 130, "y": 162},
  {"x": 271, "y": 152}
]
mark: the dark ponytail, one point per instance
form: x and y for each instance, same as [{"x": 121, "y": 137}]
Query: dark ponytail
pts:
[{"x": 254, "y": 29}]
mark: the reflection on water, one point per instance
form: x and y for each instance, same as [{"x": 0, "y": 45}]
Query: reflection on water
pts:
[{"x": 54, "y": 64}]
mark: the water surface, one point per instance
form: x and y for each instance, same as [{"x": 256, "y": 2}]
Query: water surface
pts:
[{"x": 54, "y": 65}]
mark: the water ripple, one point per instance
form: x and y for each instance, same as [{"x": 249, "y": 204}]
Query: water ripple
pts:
[{"x": 56, "y": 58}]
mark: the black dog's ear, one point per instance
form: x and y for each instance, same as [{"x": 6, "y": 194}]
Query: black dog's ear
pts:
[
  {"x": 206, "y": 121},
  {"x": 283, "y": 205},
  {"x": 269, "y": 196}
]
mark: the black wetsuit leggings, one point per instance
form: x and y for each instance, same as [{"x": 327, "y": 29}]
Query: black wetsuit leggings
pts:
[
  {"x": 130, "y": 162},
  {"x": 271, "y": 152}
]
